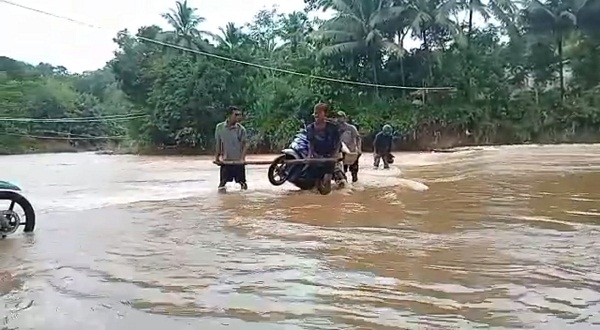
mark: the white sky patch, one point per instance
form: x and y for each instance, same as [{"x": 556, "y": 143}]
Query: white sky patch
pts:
[{"x": 33, "y": 37}]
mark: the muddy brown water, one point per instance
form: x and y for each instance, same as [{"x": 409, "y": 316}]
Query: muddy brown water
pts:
[{"x": 503, "y": 237}]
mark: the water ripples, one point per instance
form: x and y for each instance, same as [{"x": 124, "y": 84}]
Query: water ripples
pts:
[{"x": 478, "y": 238}]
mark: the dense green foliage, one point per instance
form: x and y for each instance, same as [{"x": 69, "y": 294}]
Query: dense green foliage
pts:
[
  {"x": 45, "y": 92},
  {"x": 531, "y": 74}
]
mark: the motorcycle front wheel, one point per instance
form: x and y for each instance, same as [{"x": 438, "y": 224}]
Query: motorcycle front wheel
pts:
[
  {"x": 324, "y": 185},
  {"x": 18, "y": 199},
  {"x": 277, "y": 173}
]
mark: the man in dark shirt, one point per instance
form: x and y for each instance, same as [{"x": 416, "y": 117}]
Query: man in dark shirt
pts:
[
  {"x": 382, "y": 146},
  {"x": 324, "y": 137}
]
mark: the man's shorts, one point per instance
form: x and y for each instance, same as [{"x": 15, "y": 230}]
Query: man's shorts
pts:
[{"x": 231, "y": 173}]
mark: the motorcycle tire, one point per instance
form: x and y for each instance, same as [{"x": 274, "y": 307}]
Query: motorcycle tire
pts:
[
  {"x": 304, "y": 185},
  {"x": 271, "y": 171},
  {"x": 25, "y": 205},
  {"x": 324, "y": 186}
]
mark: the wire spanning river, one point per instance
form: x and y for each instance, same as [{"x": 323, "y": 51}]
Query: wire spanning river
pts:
[{"x": 504, "y": 237}]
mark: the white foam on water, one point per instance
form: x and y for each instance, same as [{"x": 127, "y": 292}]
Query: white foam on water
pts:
[
  {"x": 99, "y": 199},
  {"x": 414, "y": 185},
  {"x": 62, "y": 182}
]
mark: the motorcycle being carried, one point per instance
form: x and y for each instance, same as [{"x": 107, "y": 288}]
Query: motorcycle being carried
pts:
[
  {"x": 305, "y": 176},
  {"x": 10, "y": 219}
]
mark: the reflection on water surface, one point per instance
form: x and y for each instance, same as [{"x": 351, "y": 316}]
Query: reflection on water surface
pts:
[{"x": 503, "y": 237}]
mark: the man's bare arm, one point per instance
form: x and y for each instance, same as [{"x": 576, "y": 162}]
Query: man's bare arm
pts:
[
  {"x": 358, "y": 141},
  {"x": 338, "y": 141},
  {"x": 309, "y": 136},
  {"x": 375, "y": 140},
  {"x": 218, "y": 150},
  {"x": 245, "y": 143}
]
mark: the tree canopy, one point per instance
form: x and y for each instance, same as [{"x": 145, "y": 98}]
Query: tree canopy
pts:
[{"x": 530, "y": 74}]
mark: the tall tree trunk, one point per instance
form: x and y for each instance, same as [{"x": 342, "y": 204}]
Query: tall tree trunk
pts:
[
  {"x": 470, "y": 28},
  {"x": 402, "y": 69},
  {"x": 468, "y": 71},
  {"x": 428, "y": 58},
  {"x": 403, "y": 75},
  {"x": 375, "y": 63},
  {"x": 561, "y": 72}
]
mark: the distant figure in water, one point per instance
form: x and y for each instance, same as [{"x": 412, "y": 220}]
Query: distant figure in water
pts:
[
  {"x": 382, "y": 146},
  {"x": 231, "y": 145}
]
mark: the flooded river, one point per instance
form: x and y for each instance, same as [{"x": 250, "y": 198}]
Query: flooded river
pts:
[{"x": 503, "y": 237}]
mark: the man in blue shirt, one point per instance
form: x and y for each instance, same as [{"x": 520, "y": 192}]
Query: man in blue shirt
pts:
[{"x": 323, "y": 137}]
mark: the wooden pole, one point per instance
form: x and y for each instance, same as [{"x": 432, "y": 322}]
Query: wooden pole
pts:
[{"x": 269, "y": 162}]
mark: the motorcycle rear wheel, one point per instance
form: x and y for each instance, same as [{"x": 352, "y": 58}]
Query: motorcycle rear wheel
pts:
[{"x": 24, "y": 204}]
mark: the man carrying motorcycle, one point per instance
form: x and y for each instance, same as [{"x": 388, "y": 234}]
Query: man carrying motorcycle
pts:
[
  {"x": 350, "y": 137},
  {"x": 324, "y": 139}
]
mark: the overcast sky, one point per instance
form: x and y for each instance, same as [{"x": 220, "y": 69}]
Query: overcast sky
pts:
[{"x": 33, "y": 37}]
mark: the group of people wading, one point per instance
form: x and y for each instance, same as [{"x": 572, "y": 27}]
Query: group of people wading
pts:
[{"x": 325, "y": 136}]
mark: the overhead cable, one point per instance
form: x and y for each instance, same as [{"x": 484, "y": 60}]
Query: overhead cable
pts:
[{"x": 224, "y": 58}]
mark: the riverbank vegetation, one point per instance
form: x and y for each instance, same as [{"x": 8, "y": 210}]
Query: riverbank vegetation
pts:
[
  {"x": 43, "y": 108},
  {"x": 530, "y": 73}
]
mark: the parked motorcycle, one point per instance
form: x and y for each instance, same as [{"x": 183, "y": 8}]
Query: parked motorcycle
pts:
[
  {"x": 10, "y": 219},
  {"x": 305, "y": 176}
]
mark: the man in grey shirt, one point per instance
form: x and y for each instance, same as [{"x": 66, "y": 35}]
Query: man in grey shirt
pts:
[
  {"x": 231, "y": 145},
  {"x": 350, "y": 137}
]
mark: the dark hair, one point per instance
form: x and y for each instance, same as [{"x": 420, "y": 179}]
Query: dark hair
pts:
[
  {"x": 232, "y": 108},
  {"x": 320, "y": 106}
]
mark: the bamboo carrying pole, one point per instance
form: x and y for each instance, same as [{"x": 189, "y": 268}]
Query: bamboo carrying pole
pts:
[{"x": 269, "y": 162}]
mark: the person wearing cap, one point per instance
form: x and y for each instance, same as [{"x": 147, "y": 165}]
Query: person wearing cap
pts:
[
  {"x": 350, "y": 137},
  {"x": 382, "y": 146}
]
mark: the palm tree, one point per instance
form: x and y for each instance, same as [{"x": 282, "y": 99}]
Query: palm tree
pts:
[
  {"x": 317, "y": 4},
  {"x": 503, "y": 10},
  {"x": 551, "y": 23},
  {"x": 587, "y": 13},
  {"x": 423, "y": 18},
  {"x": 294, "y": 29},
  {"x": 357, "y": 29},
  {"x": 231, "y": 37},
  {"x": 185, "y": 22}
]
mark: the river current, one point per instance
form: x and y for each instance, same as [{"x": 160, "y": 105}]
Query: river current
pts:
[{"x": 495, "y": 237}]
